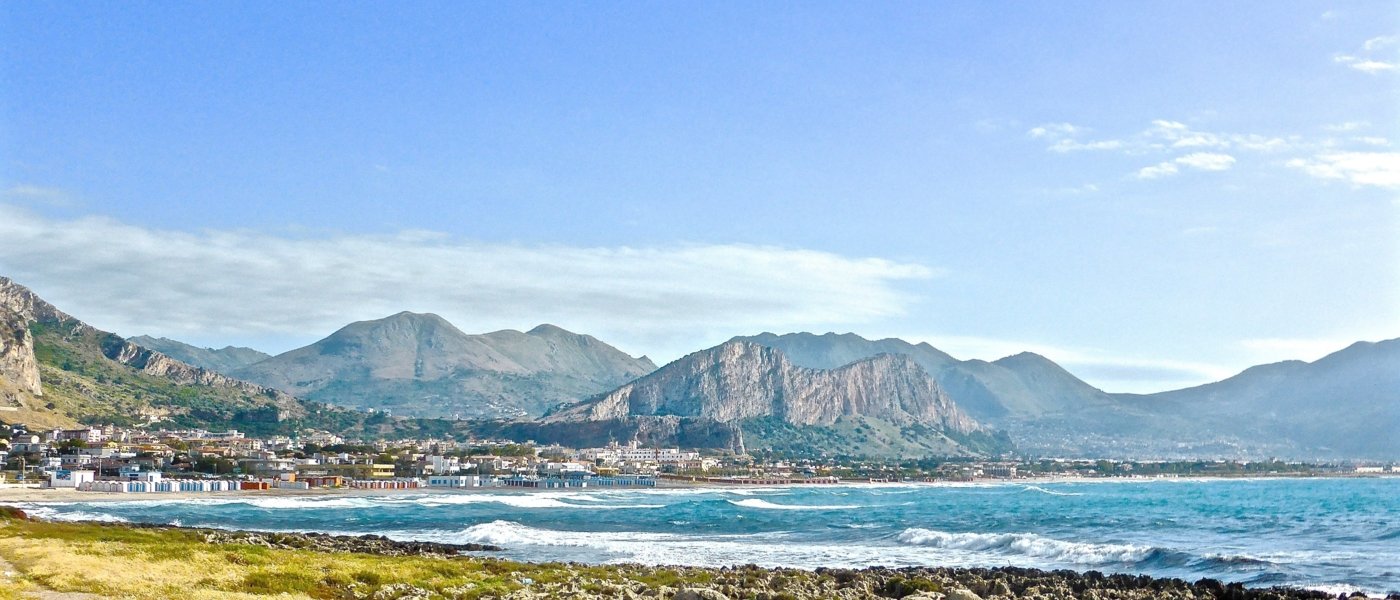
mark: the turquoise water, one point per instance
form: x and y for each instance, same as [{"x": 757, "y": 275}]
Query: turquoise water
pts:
[{"x": 1333, "y": 534}]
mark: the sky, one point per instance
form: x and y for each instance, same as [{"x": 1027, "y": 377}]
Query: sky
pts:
[{"x": 1153, "y": 194}]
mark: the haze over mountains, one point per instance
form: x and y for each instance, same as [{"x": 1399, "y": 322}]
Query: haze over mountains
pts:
[{"x": 421, "y": 365}]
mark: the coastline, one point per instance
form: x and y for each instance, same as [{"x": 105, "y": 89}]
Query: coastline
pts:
[
  {"x": 154, "y": 562},
  {"x": 11, "y": 493}
]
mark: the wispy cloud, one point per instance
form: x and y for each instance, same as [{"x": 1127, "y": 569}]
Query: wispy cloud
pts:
[
  {"x": 1207, "y": 161},
  {"x": 1158, "y": 171},
  {"x": 246, "y": 284},
  {"x": 1202, "y": 161},
  {"x": 1374, "y": 169},
  {"x": 1110, "y": 371},
  {"x": 1367, "y": 60},
  {"x": 1179, "y": 146},
  {"x": 1266, "y": 350},
  {"x": 36, "y": 194}
]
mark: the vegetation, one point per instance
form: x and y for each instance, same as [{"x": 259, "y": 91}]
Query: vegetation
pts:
[{"x": 150, "y": 563}]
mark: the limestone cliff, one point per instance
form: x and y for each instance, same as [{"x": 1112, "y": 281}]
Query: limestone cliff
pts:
[
  {"x": 18, "y": 366},
  {"x": 741, "y": 380}
]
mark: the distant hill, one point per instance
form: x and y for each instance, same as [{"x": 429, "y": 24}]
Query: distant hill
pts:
[
  {"x": 224, "y": 360},
  {"x": 420, "y": 365},
  {"x": 883, "y": 405},
  {"x": 1346, "y": 404}
]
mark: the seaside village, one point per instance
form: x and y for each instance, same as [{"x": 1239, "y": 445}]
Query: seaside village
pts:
[{"x": 117, "y": 460}]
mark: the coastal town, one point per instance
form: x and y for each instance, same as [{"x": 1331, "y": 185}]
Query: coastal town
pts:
[{"x": 120, "y": 460}]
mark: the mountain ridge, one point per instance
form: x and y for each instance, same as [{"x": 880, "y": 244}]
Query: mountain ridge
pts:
[{"x": 421, "y": 364}]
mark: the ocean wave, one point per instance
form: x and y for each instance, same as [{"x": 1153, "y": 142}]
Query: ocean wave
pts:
[
  {"x": 1036, "y": 488},
  {"x": 1030, "y": 544},
  {"x": 763, "y": 504},
  {"x": 46, "y": 513},
  {"x": 527, "y": 500}
]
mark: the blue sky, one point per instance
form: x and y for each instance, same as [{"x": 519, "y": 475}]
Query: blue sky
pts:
[{"x": 1153, "y": 194}]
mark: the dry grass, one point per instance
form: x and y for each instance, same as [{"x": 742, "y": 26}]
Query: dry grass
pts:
[{"x": 158, "y": 564}]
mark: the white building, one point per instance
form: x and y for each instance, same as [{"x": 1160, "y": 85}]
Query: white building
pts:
[{"x": 64, "y": 478}]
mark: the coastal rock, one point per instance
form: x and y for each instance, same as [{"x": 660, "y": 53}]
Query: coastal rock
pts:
[{"x": 367, "y": 544}]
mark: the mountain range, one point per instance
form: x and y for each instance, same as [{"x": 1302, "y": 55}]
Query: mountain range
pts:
[
  {"x": 1345, "y": 405},
  {"x": 801, "y": 392},
  {"x": 421, "y": 365}
]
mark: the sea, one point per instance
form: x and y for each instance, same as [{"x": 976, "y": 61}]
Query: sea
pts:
[{"x": 1335, "y": 534}]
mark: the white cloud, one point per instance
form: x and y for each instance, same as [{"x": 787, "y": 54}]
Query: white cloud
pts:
[
  {"x": 1366, "y": 62},
  {"x": 243, "y": 285},
  {"x": 1375, "y": 169},
  {"x": 1348, "y": 126},
  {"x": 1054, "y": 130},
  {"x": 1157, "y": 171},
  {"x": 1067, "y": 145},
  {"x": 1377, "y": 43},
  {"x": 1207, "y": 161}
]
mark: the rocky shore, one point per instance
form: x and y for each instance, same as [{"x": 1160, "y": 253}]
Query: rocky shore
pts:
[
  {"x": 377, "y": 568},
  {"x": 757, "y": 583}
]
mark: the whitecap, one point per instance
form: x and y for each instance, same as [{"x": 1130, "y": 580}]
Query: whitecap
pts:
[
  {"x": 764, "y": 504},
  {"x": 1036, "y": 488},
  {"x": 1029, "y": 544}
]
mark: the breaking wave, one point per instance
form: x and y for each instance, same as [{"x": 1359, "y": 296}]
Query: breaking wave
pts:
[
  {"x": 1030, "y": 544},
  {"x": 764, "y": 504}
]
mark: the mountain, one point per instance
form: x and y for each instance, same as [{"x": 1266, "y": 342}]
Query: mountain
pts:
[
  {"x": 224, "y": 360},
  {"x": 1344, "y": 405},
  {"x": 886, "y": 404},
  {"x": 1012, "y": 388},
  {"x": 58, "y": 371},
  {"x": 421, "y": 365}
]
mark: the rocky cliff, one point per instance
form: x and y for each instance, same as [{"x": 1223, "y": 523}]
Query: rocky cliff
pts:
[
  {"x": 421, "y": 365},
  {"x": 18, "y": 366},
  {"x": 743, "y": 380}
]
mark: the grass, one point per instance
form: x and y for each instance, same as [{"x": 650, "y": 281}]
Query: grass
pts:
[{"x": 139, "y": 563}]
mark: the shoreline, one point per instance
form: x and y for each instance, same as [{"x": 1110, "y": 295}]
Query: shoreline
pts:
[
  {"x": 307, "y": 564},
  {"x": 11, "y": 493}
]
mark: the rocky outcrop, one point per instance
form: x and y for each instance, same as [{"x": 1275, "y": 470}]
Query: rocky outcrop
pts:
[
  {"x": 322, "y": 542},
  {"x": 19, "y": 369},
  {"x": 742, "y": 380},
  {"x": 28, "y": 305}
]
